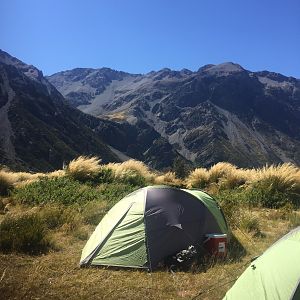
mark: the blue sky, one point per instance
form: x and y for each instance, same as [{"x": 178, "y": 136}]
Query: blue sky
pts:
[{"x": 138, "y": 36}]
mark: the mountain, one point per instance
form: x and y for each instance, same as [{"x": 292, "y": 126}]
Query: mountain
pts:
[
  {"x": 38, "y": 128},
  {"x": 218, "y": 113}
]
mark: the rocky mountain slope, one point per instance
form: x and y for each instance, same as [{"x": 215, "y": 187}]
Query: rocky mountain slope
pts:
[
  {"x": 219, "y": 113},
  {"x": 38, "y": 129}
]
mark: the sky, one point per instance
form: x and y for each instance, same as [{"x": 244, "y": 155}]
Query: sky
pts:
[{"x": 138, "y": 36}]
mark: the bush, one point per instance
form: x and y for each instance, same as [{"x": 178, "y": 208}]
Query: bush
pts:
[
  {"x": 114, "y": 192},
  {"x": 232, "y": 180},
  {"x": 231, "y": 202},
  {"x": 84, "y": 168},
  {"x": 52, "y": 216},
  {"x": 72, "y": 219},
  {"x": 105, "y": 175},
  {"x": 93, "y": 212},
  {"x": 197, "y": 178},
  {"x": 249, "y": 223},
  {"x": 131, "y": 170},
  {"x": 6, "y": 182},
  {"x": 62, "y": 190},
  {"x": 277, "y": 185},
  {"x": 266, "y": 194},
  {"x": 220, "y": 170},
  {"x": 168, "y": 178},
  {"x": 131, "y": 177},
  {"x": 24, "y": 233}
]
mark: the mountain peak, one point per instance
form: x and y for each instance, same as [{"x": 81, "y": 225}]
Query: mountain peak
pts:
[
  {"x": 224, "y": 69},
  {"x": 28, "y": 70}
]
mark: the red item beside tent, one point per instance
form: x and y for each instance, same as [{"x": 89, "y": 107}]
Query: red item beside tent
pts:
[{"x": 216, "y": 244}]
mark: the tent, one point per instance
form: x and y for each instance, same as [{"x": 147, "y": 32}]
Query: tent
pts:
[
  {"x": 275, "y": 275},
  {"x": 150, "y": 224}
]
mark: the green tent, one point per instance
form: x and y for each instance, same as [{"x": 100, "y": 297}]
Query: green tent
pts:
[
  {"x": 150, "y": 224},
  {"x": 275, "y": 275}
]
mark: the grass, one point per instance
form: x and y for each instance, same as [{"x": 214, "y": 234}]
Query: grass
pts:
[
  {"x": 57, "y": 274},
  {"x": 84, "y": 168},
  {"x": 24, "y": 233},
  {"x": 132, "y": 172},
  {"x": 62, "y": 190},
  {"x": 53, "y": 214},
  {"x": 168, "y": 178}
]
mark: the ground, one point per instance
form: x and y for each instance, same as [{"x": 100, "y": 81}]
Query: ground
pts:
[{"x": 57, "y": 275}]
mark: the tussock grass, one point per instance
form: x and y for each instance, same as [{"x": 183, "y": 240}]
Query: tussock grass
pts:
[
  {"x": 9, "y": 179},
  {"x": 168, "y": 178},
  {"x": 220, "y": 170},
  {"x": 198, "y": 178},
  {"x": 84, "y": 168},
  {"x": 285, "y": 178},
  {"x": 6, "y": 182},
  {"x": 57, "y": 173},
  {"x": 132, "y": 172},
  {"x": 225, "y": 175},
  {"x": 275, "y": 186}
]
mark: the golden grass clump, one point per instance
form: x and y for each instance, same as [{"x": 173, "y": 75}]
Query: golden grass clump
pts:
[
  {"x": 220, "y": 170},
  {"x": 282, "y": 177},
  {"x": 84, "y": 168},
  {"x": 129, "y": 167},
  {"x": 57, "y": 173},
  {"x": 168, "y": 178},
  {"x": 197, "y": 178},
  {"x": 6, "y": 181},
  {"x": 223, "y": 175},
  {"x": 234, "y": 178}
]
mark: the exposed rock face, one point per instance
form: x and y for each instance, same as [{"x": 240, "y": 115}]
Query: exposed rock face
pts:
[
  {"x": 219, "y": 113},
  {"x": 38, "y": 128}
]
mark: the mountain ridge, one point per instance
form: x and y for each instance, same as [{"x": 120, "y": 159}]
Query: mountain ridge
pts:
[
  {"x": 38, "y": 127},
  {"x": 220, "y": 112},
  {"x": 40, "y": 130}
]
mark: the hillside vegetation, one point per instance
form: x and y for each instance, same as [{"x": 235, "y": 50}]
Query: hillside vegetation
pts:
[{"x": 46, "y": 218}]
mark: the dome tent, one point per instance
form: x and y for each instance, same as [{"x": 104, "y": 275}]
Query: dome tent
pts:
[
  {"x": 275, "y": 275},
  {"x": 150, "y": 224}
]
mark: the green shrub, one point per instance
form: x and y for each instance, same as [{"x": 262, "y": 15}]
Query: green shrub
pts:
[
  {"x": 24, "y": 233},
  {"x": 72, "y": 219},
  {"x": 249, "y": 223},
  {"x": 231, "y": 202},
  {"x": 132, "y": 177},
  {"x": 52, "y": 216},
  {"x": 55, "y": 216},
  {"x": 105, "y": 175},
  {"x": 93, "y": 212},
  {"x": 61, "y": 190},
  {"x": 114, "y": 192},
  {"x": 267, "y": 195}
]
